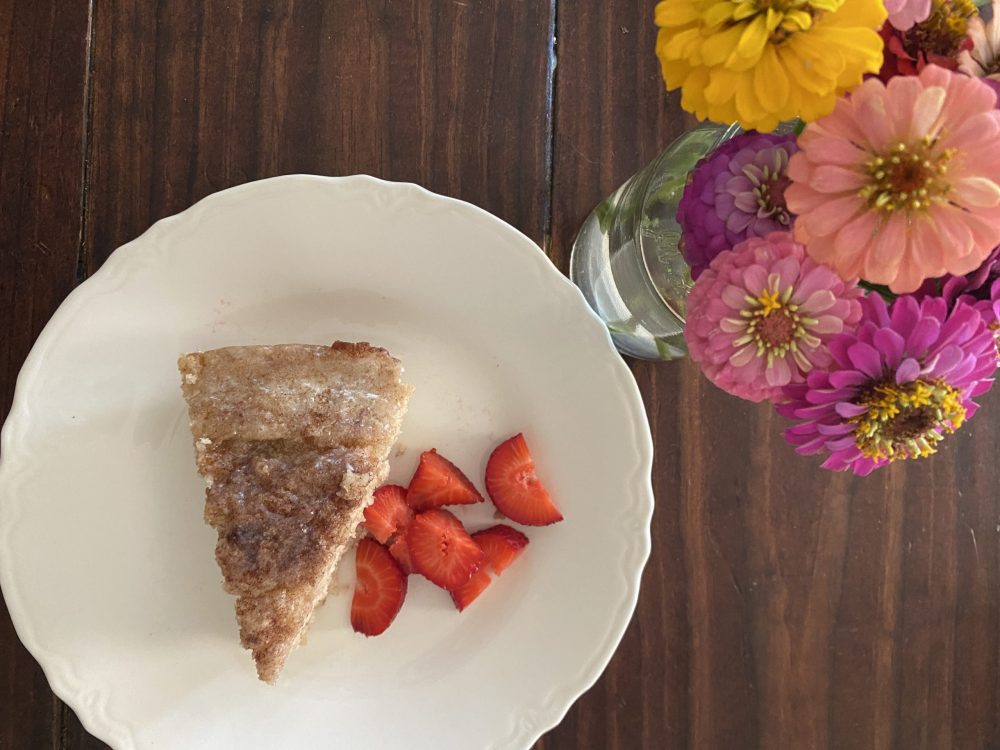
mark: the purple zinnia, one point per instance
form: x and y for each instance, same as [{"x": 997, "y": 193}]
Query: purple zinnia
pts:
[
  {"x": 898, "y": 384},
  {"x": 735, "y": 193}
]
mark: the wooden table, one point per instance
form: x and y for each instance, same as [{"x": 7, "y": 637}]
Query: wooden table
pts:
[{"x": 783, "y": 607}]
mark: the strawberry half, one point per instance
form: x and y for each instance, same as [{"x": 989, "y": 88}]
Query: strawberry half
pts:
[
  {"x": 501, "y": 545},
  {"x": 514, "y": 488},
  {"x": 388, "y": 513},
  {"x": 401, "y": 553},
  {"x": 437, "y": 481},
  {"x": 465, "y": 594},
  {"x": 441, "y": 549},
  {"x": 380, "y": 590}
]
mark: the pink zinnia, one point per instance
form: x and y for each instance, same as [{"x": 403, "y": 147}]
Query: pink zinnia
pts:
[
  {"x": 897, "y": 386},
  {"x": 759, "y": 316},
  {"x": 902, "y": 181}
]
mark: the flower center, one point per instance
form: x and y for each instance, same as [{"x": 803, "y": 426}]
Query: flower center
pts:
[
  {"x": 785, "y": 17},
  {"x": 908, "y": 177},
  {"x": 774, "y": 324},
  {"x": 944, "y": 31},
  {"x": 777, "y": 330},
  {"x": 907, "y": 421},
  {"x": 771, "y": 199}
]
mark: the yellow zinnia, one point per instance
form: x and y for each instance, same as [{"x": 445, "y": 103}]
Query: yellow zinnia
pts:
[{"x": 762, "y": 61}]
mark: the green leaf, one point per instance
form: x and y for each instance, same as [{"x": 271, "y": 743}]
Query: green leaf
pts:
[
  {"x": 669, "y": 191},
  {"x": 623, "y": 327},
  {"x": 668, "y": 351},
  {"x": 880, "y": 289},
  {"x": 605, "y": 215}
]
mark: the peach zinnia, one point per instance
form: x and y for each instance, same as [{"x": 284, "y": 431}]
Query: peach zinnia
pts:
[{"x": 902, "y": 181}]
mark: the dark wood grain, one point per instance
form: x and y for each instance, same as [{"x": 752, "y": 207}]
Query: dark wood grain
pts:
[
  {"x": 43, "y": 65},
  {"x": 192, "y": 97},
  {"x": 189, "y": 97},
  {"x": 783, "y": 606}
]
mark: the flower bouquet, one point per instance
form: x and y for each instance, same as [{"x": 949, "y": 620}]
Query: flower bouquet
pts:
[{"x": 846, "y": 270}]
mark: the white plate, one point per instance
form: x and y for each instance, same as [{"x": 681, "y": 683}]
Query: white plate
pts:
[{"x": 108, "y": 569}]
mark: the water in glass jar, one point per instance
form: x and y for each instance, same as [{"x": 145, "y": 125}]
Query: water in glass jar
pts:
[{"x": 626, "y": 258}]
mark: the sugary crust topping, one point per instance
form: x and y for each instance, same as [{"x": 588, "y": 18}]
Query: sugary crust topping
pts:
[
  {"x": 339, "y": 395},
  {"x": 291, "y": 441}
]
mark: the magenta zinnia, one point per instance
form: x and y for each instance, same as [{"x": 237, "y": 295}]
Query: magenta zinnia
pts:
[
  {"x": 734, "y": 193},
  {"x": 759, "y": 317},
  {"x": 897, "y": 386},
  {"x": 902, "y": 182},
  {"x": 981, "y": 289}
]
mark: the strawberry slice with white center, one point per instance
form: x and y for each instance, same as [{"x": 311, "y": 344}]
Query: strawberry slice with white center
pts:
[
  {"x": 501, "y": 545},
  {"x": 515, "y": 488},
  {"x": 441, "y": 549},
  {"x": 379, "y": 591},
  {"x": 388, "y": 514},
  {"x": 437, "y": 481}
]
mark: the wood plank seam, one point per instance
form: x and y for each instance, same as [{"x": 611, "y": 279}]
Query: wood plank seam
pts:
[
  {"x": 82, "y": 259},
  {"x": 550, "y": 127}
]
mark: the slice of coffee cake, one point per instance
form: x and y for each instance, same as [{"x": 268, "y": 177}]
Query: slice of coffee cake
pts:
[{"x": 291, "y": 441}]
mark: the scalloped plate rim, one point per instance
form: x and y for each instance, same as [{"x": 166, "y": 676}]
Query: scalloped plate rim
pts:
[{"x": 58, "y": 669}]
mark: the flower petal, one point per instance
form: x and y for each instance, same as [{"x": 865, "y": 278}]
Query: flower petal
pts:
[
  {"x": 819, "y": 302},
  {"x": 882, "y": 263},
  {"x": 848, "y": 410},
  {"x": 734, "y": 297},
  {"x": 866, "y": 359},
  {"x": 847, "y": 378},
  {"x": 828, "y": 178},
  {"x": 825, "y": 150},
  {"x": 833, "y": 215},
  {"x": 891, "y": 344},
  {"x": 977, "y": 192},
  {"x": 778, "y": 374},
  {"x": 922, "y": 336},
  {"x": 907, "y": 371},
  {"x": 926, "y": 110}
]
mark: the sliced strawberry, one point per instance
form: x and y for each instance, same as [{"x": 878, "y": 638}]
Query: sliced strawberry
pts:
[
  {"x": 388, "y": 513},
  {"x": 401, "y": 552},
  {"x": 380, "y": 590},
  {"x": 514, "y": 488},
  {"x": 465, "y": 594},
  {"x": 437, "y": 481},
  {"x": 501, "y": 545},
  {"x": 441, "y": 549}
]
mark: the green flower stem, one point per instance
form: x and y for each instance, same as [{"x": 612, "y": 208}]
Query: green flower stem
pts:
[{"x": 883, "y": 291}]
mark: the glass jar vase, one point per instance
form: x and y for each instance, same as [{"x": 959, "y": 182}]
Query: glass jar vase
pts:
[{"x": 626, "y": 258}]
